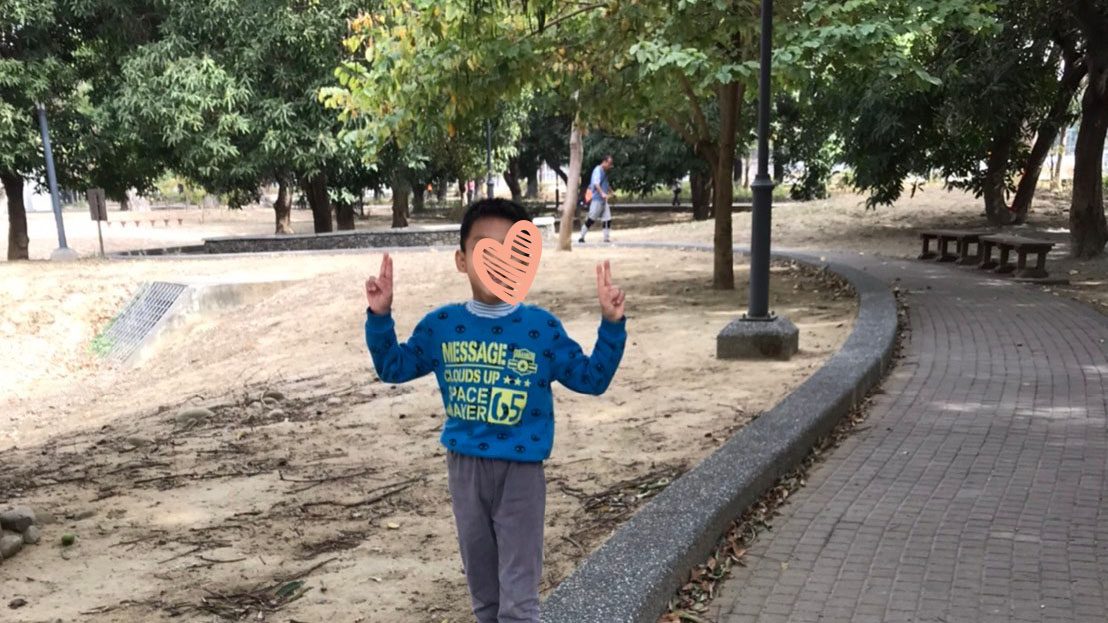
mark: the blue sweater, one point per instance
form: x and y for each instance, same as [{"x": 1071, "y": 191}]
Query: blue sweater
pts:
[{"x": 495, "y": 374}]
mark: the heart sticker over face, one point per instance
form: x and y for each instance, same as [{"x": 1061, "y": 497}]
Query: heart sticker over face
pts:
[{"x": 508, "y": 269}]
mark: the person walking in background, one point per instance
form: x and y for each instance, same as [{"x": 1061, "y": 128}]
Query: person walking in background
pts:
[{"x": 597, "y": 197}]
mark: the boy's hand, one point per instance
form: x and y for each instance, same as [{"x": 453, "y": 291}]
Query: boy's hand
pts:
[
  {"x": 378, "y": 290},
  {"x": 611, "y": 297}
]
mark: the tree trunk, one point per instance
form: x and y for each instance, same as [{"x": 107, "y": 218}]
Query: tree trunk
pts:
[
  {"x": 18, "y": 242},
  {"x": 746, "y": 171},
  {"x": 1060, "y": 155},
  {"x": 1029, "y": 179},
  {"x": 532, "y": 184},
  {"x": 573, "y": 179},
  {"x": 996, "y": 174},
  {"x": 282, "y": 208},
  {"x": 699, "y": 187},
  {"x": 401, "y": 187},
  {"x": 723, "y": 273},
  {"x": 125, "y": 202},
  {"x": 419, "y": 199},
  {"x": 1088, "y": 229},
  {"x": 778, "y": 165},
  {"x": 344, "y": 216},
  {"x": 315, "y": 189},
  {"x": 511, "y": 177},
  {"x": 440, "y": 193},
  {"x": 1072, "y": 74}
]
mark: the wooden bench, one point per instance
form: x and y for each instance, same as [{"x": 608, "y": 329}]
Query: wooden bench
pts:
[
  {"x": 962, "y": 239},
  {"x": 1022, "y": 246}
]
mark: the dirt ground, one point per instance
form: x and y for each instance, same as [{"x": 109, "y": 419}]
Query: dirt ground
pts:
[{"x": 332, "y": 496}]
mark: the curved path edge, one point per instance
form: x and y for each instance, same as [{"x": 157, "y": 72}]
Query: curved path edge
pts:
[{"x": 632, "y": 576}]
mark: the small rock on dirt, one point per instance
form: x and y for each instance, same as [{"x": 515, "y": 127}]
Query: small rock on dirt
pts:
[
  {"x": 274, "y": 394},
  {"x": 31, "y": 535},
  {"x": 10, "y": 544},
  {"x": 334, "y": 401},
  {"x": 193, "y": 415},
  {"x": 18, "y": 602},
  {"x": 275, "y": 414},
  {"x": 17, "y": 519},
  {"x": 139, "y": 442}
]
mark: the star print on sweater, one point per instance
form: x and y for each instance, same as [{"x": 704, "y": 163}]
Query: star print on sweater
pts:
[{"x": 495, "y": 373}]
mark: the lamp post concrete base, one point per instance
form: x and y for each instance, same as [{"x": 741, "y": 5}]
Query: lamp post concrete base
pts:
[
  {"x": 775, "y": 338},
  {"x": 64, "y": 254}
]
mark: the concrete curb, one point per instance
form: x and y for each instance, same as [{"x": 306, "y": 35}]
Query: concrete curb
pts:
[{"x": 633, "y": 575}]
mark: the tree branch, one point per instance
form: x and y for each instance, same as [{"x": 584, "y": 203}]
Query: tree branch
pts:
[
  {"x": 572, "y": 14},
  {"x": 698, "y": 112},
  {"x": 702, "y": 148}
]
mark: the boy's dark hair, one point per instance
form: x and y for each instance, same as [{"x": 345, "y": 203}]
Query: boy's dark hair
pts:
[{"x": 501, "y": 208}]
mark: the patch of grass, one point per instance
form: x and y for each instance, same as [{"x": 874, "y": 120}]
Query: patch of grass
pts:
[{"x": 101, "y": 345}]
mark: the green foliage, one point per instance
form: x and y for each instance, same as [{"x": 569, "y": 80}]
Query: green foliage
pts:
[
  {"x": 229, "y": 88},
  {"x": 37, "y": 48},
  {"x": 887, "y": 108},
  {"x": 651, "y": 158},
  {"x": 804, "y": 135},
  {"x": 429, "y": 72}
]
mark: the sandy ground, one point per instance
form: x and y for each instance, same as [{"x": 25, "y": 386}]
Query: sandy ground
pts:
[{"x": 202, "y": 517}]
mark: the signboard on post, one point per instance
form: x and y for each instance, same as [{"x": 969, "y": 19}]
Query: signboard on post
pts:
[
  {"x": 97, "y": 206},
  {"x": 98, "y": 209}
]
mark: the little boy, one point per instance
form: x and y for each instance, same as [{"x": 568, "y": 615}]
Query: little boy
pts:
[{"x": 495, "y": 365}]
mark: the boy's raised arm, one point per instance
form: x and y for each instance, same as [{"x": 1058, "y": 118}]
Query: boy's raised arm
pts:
[
  {"x": 395, "y": 362},
  {"x": 593, "y": 374}
]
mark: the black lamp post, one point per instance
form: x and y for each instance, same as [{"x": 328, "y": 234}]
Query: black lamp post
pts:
[
  {"x": 759, "y": 333},
  {"x": 763, "y": 185}
]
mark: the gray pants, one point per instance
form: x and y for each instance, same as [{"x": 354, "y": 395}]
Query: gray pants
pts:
[{"x": 499, "y": 508}]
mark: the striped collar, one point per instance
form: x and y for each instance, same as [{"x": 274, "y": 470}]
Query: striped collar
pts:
[{"x": 485, "y": 310}]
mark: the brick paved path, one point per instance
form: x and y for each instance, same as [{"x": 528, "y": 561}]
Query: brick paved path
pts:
[{"x": 978, "y": 487}]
